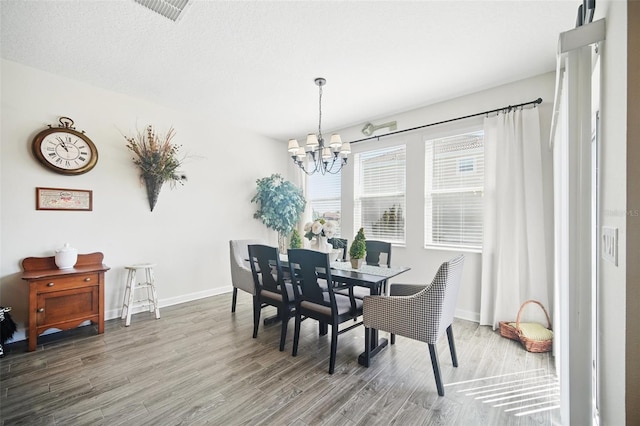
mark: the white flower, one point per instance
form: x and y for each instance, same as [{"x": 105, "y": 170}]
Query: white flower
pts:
[
  {"x": 329, "y": 229},
  {"x": 316, "y": 228},
  {"x": 319, "y": 229}
]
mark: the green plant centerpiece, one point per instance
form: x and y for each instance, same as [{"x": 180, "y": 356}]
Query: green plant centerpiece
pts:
[
  {"x": 358, "y": 249},
  {"x": 294, "y": 240},
  {"x": 157, "y": 158},
  {"x": 280, "y": 204}
]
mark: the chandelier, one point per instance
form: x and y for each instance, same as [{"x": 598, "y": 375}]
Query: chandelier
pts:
[{"x": 315, "y": 156}]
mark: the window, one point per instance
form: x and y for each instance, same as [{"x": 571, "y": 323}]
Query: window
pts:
[
  {"x": 380, "y": 193},
  {"x": 324, "y": 197},
  {"x": 454, "y": 185}
]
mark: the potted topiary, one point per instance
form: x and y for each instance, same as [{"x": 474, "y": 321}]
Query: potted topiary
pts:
[
  {"x": 294, "y": 240},
  {"x": 280, "y": 204},
  {"x": 358, "y": 249}
]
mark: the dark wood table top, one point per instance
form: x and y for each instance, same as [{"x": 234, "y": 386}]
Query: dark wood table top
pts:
[{"x": 367, "y": 274}]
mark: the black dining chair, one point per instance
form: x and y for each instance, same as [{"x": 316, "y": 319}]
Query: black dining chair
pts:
[
  {"x": 377, "y": 249},
  {"x": 342, "y": 243},
  {"x": 270, "y": 287},
  {"x": 327, "y": 307}
]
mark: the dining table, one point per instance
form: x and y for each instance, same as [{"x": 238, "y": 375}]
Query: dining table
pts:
[{"x": 370, "y": 276}]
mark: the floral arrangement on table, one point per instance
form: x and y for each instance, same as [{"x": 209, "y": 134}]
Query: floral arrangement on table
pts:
[
  {"x": 319, "y": 232},
  {"x": 157, "y": 158},
  {"x": 319, "y": 228}
]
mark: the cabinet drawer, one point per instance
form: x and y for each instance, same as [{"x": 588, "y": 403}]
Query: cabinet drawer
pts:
[
  {"x": 67, "y": 305},
  {"x": 66, "y": 283}
]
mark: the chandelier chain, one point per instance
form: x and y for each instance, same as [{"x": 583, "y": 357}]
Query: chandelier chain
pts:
[{"x": 320, "y": 115}]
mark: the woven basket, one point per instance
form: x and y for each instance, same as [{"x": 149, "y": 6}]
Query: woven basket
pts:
[
  {"x": 530, "y": 344},
  {"x": 508, "y": 330}
]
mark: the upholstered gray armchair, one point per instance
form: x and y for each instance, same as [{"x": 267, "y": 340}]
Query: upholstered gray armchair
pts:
[
  {"x": 241, "y": 276},
  {"x": 418, "y": 312}
]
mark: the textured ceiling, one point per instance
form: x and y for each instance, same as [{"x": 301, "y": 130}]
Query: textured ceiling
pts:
[{"x": 253, "y": 62}]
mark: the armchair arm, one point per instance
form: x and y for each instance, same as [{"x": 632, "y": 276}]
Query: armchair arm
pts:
[
  {"x": 405, "y": 316},
  {"x": 405, "y": 289}
]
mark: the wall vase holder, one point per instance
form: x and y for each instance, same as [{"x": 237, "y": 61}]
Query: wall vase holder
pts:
[{"x": 153, "y": 185}]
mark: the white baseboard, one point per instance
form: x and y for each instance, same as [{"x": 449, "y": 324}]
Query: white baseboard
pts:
[
  {"x": 467, "y": 315},
  {"x": 183, "y": 298}
]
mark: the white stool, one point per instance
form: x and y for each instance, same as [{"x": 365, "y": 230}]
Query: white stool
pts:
[{"x": 149, "y": 284}]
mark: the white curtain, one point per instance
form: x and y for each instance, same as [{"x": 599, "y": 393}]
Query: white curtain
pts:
[{"x": 514, "y": 267}]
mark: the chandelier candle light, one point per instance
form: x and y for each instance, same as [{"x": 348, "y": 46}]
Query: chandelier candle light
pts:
[{"x": 315, "y": 154}]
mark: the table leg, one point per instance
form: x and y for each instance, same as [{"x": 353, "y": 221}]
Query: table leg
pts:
[
  {"x": 374, "y": 344},
  {"x": 371, "y": 335},
  {"x": 273, "y": 319}
]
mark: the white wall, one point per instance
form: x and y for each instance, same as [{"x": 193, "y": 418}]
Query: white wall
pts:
[
  {"x": 613, "y": 211},
  {"x": 425, "y": 262},
  {"x": 187, "y": 233}
]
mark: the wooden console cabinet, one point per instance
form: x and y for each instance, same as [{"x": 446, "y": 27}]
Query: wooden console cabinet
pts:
[{"x": 64, "y": 298}]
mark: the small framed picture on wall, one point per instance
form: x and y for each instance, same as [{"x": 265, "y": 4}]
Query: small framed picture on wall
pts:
[{"x": 64, "y": 199}]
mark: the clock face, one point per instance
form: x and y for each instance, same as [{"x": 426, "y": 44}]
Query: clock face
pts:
[{"x": 65, "y": 151}]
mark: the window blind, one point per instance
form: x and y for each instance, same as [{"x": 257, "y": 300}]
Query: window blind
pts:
[
  {"x": 454, "y": 186},
  {"x": 380, "y": 193}
]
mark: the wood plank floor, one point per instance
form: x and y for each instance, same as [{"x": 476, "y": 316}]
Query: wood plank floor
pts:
[{"x": 199, "y": 365}]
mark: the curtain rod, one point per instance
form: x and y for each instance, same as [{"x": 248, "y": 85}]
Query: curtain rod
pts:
[{"x": 507, "y": 108}]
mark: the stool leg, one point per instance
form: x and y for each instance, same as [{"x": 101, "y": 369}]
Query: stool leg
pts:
[
  {"x": 152, "y": 282},
  {"x": 132, "y": 284},
  {"x": 148, "y": 276},
  {"x": 127, "y": 291}
]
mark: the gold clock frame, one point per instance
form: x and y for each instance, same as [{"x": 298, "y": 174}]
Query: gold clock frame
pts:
[{"x": 65, "y": 126}]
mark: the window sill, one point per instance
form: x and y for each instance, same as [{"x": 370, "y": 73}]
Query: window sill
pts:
[{"x": 454, "y": 248}]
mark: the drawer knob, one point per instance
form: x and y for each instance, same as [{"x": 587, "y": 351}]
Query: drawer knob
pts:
[
  {"x": 41, "y": 310},
  {"x": 87, "y": 279},
  {"x": 49, "y": 284}
]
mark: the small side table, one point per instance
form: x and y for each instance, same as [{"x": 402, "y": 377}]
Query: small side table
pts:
[
  {"x": 129, "y": 302},
  {"x": 64, "y": 298}
]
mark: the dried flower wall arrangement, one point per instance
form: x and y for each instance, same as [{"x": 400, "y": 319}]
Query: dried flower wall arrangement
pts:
[{"x": 157, "y": 158}]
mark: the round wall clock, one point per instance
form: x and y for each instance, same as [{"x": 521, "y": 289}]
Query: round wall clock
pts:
[{"x": 65, "y": 150}]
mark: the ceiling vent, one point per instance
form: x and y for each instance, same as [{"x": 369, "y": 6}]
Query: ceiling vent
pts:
[{"x": 170, "y": 9}]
